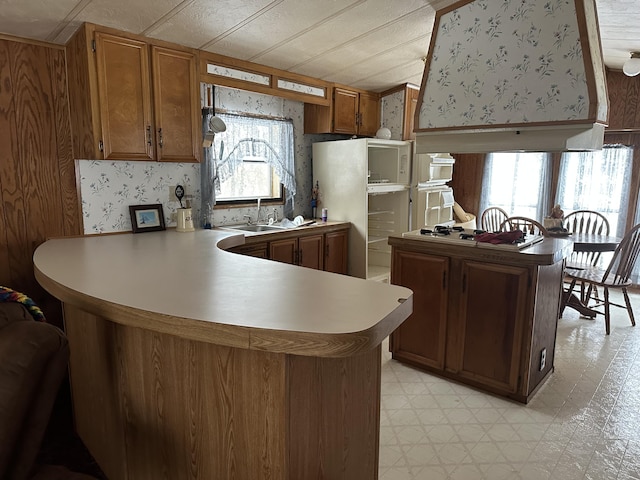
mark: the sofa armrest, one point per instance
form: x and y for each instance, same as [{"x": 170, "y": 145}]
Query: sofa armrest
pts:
[
  {"x": 33, "y": 362},
  {"x": 13, "y": 312}
]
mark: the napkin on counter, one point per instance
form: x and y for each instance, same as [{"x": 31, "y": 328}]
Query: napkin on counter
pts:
[{"x": 500, "y": 237}]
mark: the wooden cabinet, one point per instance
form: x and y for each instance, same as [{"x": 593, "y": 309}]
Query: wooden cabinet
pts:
[
  {"x": 420, "y": 340},
  {"x": 336, "y": 248},
  {"x": 313, "y": 249},
  {"x": 132, "y": 100},
  {"x": 306, "y": 251},
  {"x": 488, "y": 342},
  {"x": 260, "y": 250},
  {"x": 484, "y": 323},
  {"x": 353, "y": 112}
]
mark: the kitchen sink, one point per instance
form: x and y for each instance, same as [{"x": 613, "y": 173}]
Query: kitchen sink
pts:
[{"x": 255, "y": 228}]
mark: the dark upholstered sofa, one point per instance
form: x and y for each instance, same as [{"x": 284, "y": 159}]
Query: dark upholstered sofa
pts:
[{"x": 33, "y": 363}]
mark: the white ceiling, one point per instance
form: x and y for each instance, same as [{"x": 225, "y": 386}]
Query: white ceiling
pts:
[{"x": 368, "y": 44}]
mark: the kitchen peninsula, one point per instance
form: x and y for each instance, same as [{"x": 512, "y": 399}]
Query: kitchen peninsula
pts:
[
  {"x": 484, "y": 315},
  {"x": 188, "y": 361}
]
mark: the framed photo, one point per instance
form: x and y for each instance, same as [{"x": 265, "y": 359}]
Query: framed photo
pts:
[{"x": 146, "y": 218}]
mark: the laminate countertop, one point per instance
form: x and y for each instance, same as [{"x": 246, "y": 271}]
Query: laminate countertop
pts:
[{"x": 187, "y": 285}]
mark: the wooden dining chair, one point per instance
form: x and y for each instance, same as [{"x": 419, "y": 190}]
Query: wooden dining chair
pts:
[
  {"x": 492, "y": 219},
  {"x": 528, "y": 226},
  {"x": 616, "y": 275},
  {"x": 585, "y": 221}
]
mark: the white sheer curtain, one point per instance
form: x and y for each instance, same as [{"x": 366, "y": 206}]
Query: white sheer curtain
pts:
[
  {"x": 598, "y": 181},
  {"x": 519, "y": 183},
  {"x": 245, "y": 136}
]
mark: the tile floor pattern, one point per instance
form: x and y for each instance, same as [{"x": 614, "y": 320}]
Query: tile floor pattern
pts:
[{"x": 584, "y": 423}]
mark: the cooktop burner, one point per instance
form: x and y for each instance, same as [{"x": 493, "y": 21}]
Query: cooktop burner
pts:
[{"x": 466, "y": 236}]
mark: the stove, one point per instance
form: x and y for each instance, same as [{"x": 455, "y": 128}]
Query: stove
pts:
[{"x": 466, "y": 237}]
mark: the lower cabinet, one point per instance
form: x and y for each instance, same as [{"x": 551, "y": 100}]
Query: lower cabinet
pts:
[
  {"x": 305, "y": 251},
  {"x": 477, "y": 322},
  {"x": 336, "y": 248},
  {"x": 321, "y": 251}
]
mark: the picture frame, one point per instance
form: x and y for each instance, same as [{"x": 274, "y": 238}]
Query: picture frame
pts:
[{"x": 146, "y": 218}]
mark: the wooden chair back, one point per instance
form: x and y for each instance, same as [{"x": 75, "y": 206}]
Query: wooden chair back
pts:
[
  {"x": 624, "y": 259},
  {"x": 585, "y": 221},
  {"x": 528, "y": 226},
  {"x": 492, "y": 218}
]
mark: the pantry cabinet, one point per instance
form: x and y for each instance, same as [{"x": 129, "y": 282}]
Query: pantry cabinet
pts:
[
  {"x": 352, "y": 112},
  {"x": 132, "y": 100}
]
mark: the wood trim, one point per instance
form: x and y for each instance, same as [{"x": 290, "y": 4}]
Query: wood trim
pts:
[
  {"x": 31, "y": 41},
  {"x": 273, "y": 74}
]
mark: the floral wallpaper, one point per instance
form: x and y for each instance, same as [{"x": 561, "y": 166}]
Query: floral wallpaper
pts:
[
  {"x": 108, "y": 188},
  {"x": 393, "y": 114},
  {"x": 498, "y": 62}
]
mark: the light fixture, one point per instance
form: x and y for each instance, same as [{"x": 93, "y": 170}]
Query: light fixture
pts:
[{"x": 631, "y": 67}]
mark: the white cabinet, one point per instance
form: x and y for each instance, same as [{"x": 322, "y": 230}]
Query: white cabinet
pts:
[{"x": 432, "y": 199}]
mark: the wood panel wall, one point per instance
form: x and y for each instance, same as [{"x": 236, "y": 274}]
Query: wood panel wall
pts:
[
  {"x": 624, "y": 102},
  {"x": 38, "y": 191}
]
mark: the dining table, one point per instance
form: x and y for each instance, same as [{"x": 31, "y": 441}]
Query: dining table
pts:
[{"x": 586, "y": 243}]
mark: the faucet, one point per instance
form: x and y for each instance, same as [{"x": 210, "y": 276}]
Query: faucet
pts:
[
  {"x": 258, "y": 212},
  {"x": 248, "y": 217}
]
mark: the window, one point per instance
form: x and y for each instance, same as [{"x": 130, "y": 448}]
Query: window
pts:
[
  {"x": 598, "y": 181},
  {"x": 518, "y": 183},
  {"x": 253, "y": 158}
]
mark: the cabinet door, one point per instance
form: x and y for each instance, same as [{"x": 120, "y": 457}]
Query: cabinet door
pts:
[
  {"x": 125, "y": 97},
  {"x": 368, "y": 114},
  {"x": 345, "y": 111},
  {"x": 175, "y": 98},
  {"x": 336, "y": 245},
  {"x": 421, "y": 337},
  {"x": 311, "y": 251},
  {"x": 252, "y": 250},
  {"x": 285, "y": 251},
  {"x": 493, "y": 308}
]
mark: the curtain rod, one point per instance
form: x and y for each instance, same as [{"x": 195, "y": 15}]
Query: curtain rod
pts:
[{"x": 252, "y": 115}]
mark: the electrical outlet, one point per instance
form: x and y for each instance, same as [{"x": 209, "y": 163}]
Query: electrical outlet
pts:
[
  {"x": 543, "y": 359},
  {"x": 173, "y": 218}
]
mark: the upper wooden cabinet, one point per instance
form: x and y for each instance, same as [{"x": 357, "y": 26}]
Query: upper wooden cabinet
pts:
[
  {"x": 132, "y": 100},
  {"x": 352, "y": 112}
]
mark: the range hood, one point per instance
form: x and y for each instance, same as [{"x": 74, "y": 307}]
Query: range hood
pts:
[{"x": 521, "y": 75}]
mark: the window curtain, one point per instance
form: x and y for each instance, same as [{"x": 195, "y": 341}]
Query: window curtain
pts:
[
  {"x": 519, "y": 183},
  {"x": 599, "y": 181},
  {"x": 270, "y": 139}
]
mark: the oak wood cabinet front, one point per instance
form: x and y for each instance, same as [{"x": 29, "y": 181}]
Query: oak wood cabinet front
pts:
[
  {"x": 306, "y": 251},
  {"x": 132, "y": 100},
  {"x": 353, "y": 112},
  {"x": 336, "y": 251}
]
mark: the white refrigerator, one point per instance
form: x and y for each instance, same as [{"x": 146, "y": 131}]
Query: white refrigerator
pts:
[{"x": 365, "y": 181}]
